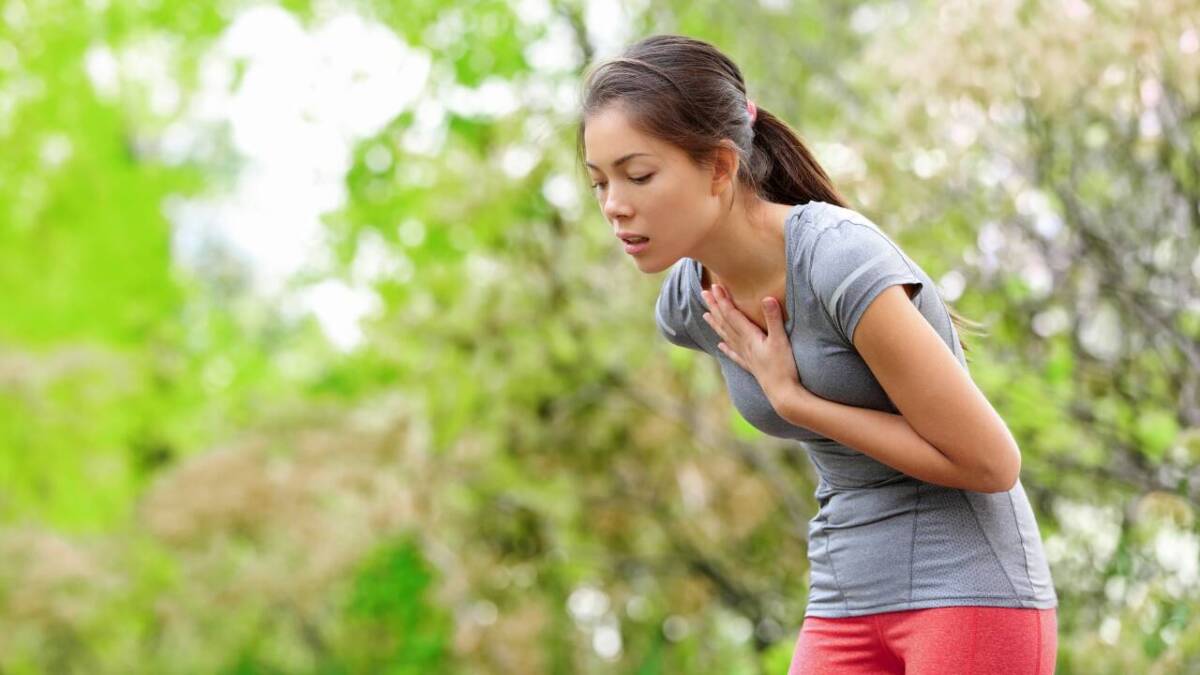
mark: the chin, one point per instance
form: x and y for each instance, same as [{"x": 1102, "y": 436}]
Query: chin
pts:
[{"x": 653, "y": 267}]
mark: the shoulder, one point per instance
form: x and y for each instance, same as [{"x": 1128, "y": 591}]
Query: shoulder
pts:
[
  {"x": 672, "y": 309},
  {"x": 672, "y": 291},
  {"x": 850, "y": 260},
  {"x": 840, "y": 240},
  {"x": 840, "y": 220},
  {"x": 822, "y": 223}
]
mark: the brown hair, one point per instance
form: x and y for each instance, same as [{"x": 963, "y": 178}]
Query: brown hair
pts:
[{"x": 686, "y": 92}]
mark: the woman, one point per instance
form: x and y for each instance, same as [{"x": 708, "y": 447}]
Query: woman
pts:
[{"x": 924, "y": 554}]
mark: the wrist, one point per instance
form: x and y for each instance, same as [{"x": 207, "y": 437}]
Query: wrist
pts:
[{"x": 792, "y": 403}]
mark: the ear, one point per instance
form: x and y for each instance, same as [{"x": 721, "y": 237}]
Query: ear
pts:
[{"x": 725, "y": 166}]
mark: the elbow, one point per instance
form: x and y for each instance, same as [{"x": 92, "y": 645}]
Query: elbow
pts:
[
  {"x": 988, "y": 483},
  {"x": 995, "y": 471},
  {"x": 1002, "y": 476},
  {"x": 1004, "y": 485}
]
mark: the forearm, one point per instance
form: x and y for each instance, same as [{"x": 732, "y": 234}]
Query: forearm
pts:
[{"x": 886, "y": 437}]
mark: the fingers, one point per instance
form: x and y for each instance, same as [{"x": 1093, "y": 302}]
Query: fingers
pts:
[
  {"x": 714, "y": 316},
  {"x": 714, "y": 319},
  {"x": 729, "y": 316},
  {"x": 733, "y": 355},
  {"x": 716, "y": 325},
  {"x": 774, "y": 316}
]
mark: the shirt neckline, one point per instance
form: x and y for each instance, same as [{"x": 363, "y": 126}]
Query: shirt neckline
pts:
[{"x": 794, "y": 213}]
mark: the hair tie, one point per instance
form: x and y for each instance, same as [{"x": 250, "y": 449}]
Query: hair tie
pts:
[{"x": 753, "y": 110}]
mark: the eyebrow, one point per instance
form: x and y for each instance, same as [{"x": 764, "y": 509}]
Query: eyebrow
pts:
[{"x": 621, "y": 161}]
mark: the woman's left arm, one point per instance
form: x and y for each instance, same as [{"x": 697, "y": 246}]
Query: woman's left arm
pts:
[{"x": 946, "y": 433}]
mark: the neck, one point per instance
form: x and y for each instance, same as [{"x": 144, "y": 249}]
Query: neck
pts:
[{"x": 743, "y": 251}]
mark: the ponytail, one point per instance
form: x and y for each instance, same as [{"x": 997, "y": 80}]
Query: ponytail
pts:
[
  {"x": 689, "y": 94},
  {"x": 782, "y": 167}
]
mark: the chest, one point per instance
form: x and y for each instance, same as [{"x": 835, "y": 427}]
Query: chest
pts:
[
  {"x": 826, "y": 365},
  {"x": 751, "y": 305}
]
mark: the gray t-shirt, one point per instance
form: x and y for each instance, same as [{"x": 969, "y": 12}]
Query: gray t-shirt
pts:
[{"x": 881, "y": 540}]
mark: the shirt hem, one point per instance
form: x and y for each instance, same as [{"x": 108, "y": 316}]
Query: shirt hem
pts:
[{"x": 837, "y": 611}]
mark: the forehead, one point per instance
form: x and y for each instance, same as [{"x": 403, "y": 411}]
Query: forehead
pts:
[{"x": 608, "y": 137}]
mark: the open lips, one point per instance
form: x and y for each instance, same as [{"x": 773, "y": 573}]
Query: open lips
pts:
[{"x": 635, "y": 243}]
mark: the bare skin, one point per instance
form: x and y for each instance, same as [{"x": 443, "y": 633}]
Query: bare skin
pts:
[
  {"x": 653, "y": 189},
  {"x": 738, "y": 238},
  {"x": 685, "y": 210}
]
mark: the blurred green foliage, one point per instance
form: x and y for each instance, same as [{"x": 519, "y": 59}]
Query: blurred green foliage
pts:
[{"x": 499, "y": 477}]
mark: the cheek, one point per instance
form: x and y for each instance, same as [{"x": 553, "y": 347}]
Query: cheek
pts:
[
  {"x": 670, "y": 198},
  {"x": 675, "y": 213}
]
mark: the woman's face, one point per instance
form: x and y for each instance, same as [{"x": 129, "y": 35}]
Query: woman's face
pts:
[{"x": 647, "y": 187}]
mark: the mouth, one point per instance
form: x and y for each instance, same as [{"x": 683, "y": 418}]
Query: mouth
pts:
[{"x": 635, "y": 245}]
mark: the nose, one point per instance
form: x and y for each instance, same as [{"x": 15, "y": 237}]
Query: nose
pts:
[{"x": 614, "y": 206}]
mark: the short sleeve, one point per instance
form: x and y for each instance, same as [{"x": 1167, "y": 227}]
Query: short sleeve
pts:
[
  {"x": 852, "y": 262},
  {"x": 672, "y": 311}
]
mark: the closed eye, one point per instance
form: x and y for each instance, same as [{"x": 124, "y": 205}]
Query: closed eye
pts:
[{"x": 640, "y": 180}]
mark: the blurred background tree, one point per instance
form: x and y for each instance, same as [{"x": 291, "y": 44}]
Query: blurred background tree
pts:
[{"x": 302, "y": 368}]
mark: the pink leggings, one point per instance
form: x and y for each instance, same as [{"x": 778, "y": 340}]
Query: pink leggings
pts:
[{"x": 967, "y": 640}]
